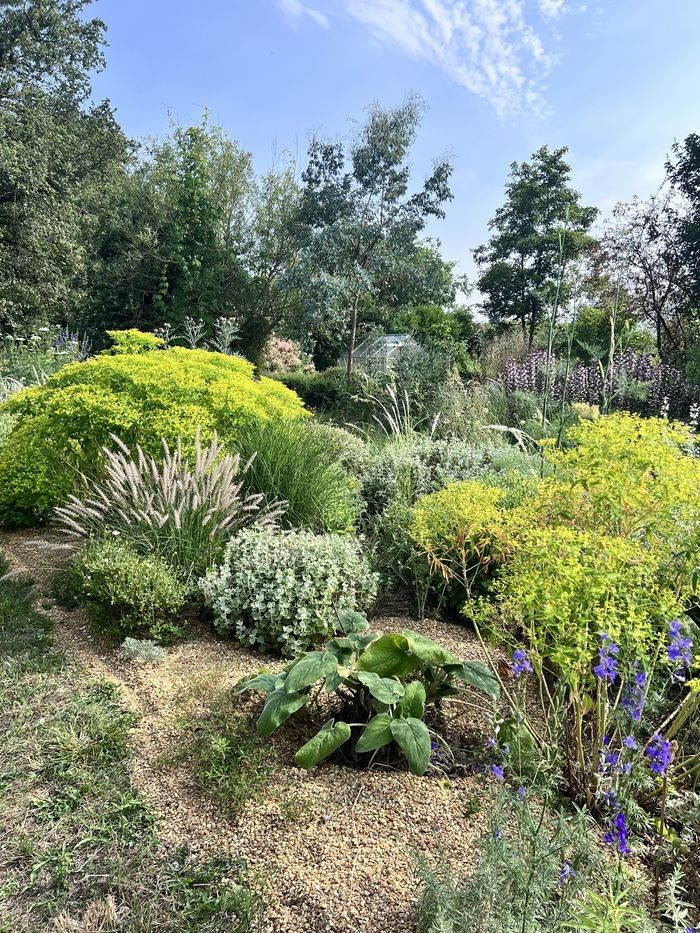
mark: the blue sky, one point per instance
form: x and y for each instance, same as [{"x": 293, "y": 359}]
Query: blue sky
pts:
[{"x": 615, "y": 81}]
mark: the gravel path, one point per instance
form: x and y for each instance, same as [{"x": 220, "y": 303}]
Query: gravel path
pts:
[{"x": 344, "y": 862}]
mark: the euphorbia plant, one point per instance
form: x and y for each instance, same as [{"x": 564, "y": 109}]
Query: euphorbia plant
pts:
[{"x": 385, "y": 682}]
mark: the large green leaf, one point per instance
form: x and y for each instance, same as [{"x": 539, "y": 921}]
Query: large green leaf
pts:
[
  {"x": 389, "y": 656},
  {"x": 278, "y": 707},
  {"x": 309, "y": 669},
  {"x": 361, "y": 640},
  {"x": 428, "y": 650},
  {"x": 413, "y": 701},
  {"x": 342, "y": 649},
  {"x": 377, "y": 734},
  {"x": 323, "y": 744},
  {"x": 413, "y": 739},
  {"x": 266, "y": 683},
  {"x": 477, "y": 674},
  {"x": 383, "y": 689},
  {"x": 352, "y": 621}
]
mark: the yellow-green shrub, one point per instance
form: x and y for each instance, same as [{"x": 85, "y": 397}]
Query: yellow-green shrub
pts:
[
  {"x": 629, "y": 476},
  {"x": 142, "y": 398},
  {"x": 464, "y": 529},
  {"x": 561, "y": 587}
]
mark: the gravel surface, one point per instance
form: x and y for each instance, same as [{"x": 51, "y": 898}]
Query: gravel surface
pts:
[{"x": 334, "y": 848}]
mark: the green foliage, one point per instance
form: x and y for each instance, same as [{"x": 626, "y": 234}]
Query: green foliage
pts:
[
  {"x": 329, "y": 392},
  {"x": 519, "y": 265},
  {"x": 561, "y": 587},
  {"x": 229, "y": 762},
  {"x": 384, "y": 683},
  {"x": 133, "y": 341},
  {"x": 301, "y": 468},
  {"x": 281, "y": 591},
  {"x": 517, "y": 885},
  {"x": 359, "y": 226},
  {"x": 127, "y": 593},
  {"x": 350, "y": 450},
  {"x": 142, "y": 398},
  {"x": 143, "y": 649}
]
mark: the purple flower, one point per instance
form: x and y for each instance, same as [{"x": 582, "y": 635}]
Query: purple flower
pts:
[
  {"x": 606, "y": 668},
  {"x": 659, "y": 753},
  {"x": 630, "y": 742},
  {"x": 679, "y": 650},
  {"x": 491, "y": 742},
  {"x": 521, "y": 663},
  {"x": 566, "y": 873},
  {"x": 521, "y": 793},
  {"x": 618, "y": 834},
  {"x": 632, "y": 700},
  {"x": 497, "y": 833},
  {"x": 498, "y": 772}
]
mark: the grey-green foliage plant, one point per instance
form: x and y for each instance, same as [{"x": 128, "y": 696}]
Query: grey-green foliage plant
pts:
[
  {"x": 279, "y": 590},
  {"x": 537, "y": 871},
  {"x": 143, "y": 649},
  {"x": 385, "y": 683}
]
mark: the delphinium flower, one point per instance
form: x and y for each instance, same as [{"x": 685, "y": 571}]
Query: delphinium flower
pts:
[
  {"x": 618, "y": 834},
  {"x": 566, "y": 873},
  {"x": 632, "y": 700},
  {"x": 521, "y": 793},
  {"x": 498, "y": 772},
  {"x": 521, "y": 663},
  {"x": 606, "y": 668},
  {"x": 679, "y": 651},
  {"x": 660, "y": 754}
]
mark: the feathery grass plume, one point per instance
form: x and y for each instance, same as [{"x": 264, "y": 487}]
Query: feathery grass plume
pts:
[
  {"x": 395, "y": 416},
  {"x": 183, "y": 511}
]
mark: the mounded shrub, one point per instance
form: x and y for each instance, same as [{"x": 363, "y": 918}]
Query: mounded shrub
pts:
[
  {"x": 125, "y": 592},
  {"x": 141, "y": 397},
  {"x": 281, "y": 591}
]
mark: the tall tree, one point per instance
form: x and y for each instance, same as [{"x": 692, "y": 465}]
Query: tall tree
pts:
[
  {"x": 53, "y": 146},
  {"x": 358, "y": 223},
  {"x": 521, "y": 265},
  {"x": 642, "y": 250},
  {"x": 683, "y": 172}
]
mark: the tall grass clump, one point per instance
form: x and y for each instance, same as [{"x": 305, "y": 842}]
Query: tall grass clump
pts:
[
  {"x": 301, "y": 468},
  {"x": 182, "y": 509}
]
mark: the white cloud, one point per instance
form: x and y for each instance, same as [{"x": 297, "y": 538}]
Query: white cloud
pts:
[
  {"x": 490, "y": 47},
  {"x": 295, "y": 11}
]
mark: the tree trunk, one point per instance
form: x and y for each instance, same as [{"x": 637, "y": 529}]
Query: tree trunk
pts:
[{"x": 353, "y": 337}]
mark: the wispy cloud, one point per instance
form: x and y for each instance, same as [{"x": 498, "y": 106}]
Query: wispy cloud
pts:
[
  {"x": 494, "y": 48},
  {"x": 295, "y": 11}
]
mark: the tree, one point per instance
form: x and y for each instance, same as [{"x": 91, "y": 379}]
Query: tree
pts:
[
  {"x": 683, "y": 173},
  {"x": 642, "y": 250},
  {"x": 192, "y": 232},
  {"x": 520, "y": 265},
  {"x": 357, "y": 222},
  {"x": 53, "y": 146}
]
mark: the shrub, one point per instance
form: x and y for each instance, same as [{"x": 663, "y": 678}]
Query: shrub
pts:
[
  {"x": 143, "y": 649},
  {"x": 142, "y": 398},
  {"x": 182, "y": 511},
  {"x": 127, "y": 593},
  {"x": 561, "y": 587},
  {"x": 413, "y": 467},
  {"x": 465, "y": 529},
  {"x": 350, "y": 450},
  {"x": 281, "y": 591},
  {"x": 330, "y": 392},
  {"x": 283, "y": 356},
  {"x": 385, "y": 683},
  {"x": 296, "y": 466},
  {"x": 133, "y": 341}
]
